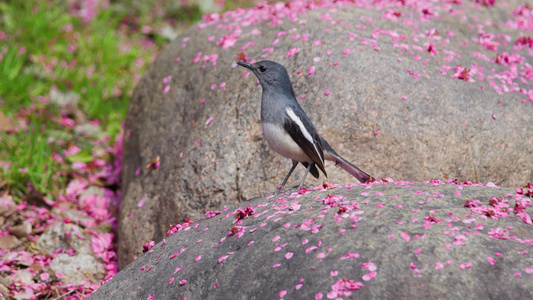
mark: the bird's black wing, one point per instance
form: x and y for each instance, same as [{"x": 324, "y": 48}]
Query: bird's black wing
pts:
[{"x": 302, "y": 131}]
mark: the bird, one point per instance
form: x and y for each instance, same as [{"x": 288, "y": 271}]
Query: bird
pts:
[{"x": 287, "y": 128}]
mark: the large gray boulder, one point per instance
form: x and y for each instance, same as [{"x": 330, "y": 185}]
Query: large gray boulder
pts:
[
  {"x": 398, "y": 240},
  {"x": 399, "y": 104}
]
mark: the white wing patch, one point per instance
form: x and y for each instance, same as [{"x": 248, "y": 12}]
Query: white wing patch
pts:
[{"x": 306, "y": 133}]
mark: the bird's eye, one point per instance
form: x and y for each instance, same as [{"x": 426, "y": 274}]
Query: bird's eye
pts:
[{"x": 262, "y": 68}]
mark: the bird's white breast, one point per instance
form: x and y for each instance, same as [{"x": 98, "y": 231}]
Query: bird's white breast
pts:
[{"x": 281, "y": 142}]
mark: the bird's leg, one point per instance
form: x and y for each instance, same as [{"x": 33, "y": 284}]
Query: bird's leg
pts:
[
  {"x": 294, "y": 164},
  {"x": 305, "y": 174}
]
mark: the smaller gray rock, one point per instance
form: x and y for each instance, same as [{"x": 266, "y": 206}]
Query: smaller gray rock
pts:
[
  {"x": 52, "y": 239},
  {"x": 168, "y": 33},
  {"x": 63, "y": 98},
  {"x": 77, "y": 268},
  {"x": 21, "y": 231},
  {"x": 90, "y": 130},
  {"x": 75, "y": 215},
  {"x": 56, "y": 238},
  {"x": 23, "y": 276},
  {"x": 4, "y": 290},
  {"x": 92, "y": 190},
  {"x": 24, "y": 296},
  {"x": 9, "y": 242}
]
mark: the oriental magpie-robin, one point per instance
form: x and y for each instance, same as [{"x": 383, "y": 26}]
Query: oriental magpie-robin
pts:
[{"x": 287, "y": 128}]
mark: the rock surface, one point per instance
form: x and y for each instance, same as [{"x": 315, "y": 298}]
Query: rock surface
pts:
[
  {"x": 385, "y": 86},
  {"x": 398, "y": 240},
  {"x": 76, "y": 268}
]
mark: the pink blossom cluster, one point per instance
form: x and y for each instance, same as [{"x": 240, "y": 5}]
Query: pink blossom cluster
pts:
[
  {"x": 498, "y": 208},
  {"x": 80, "y": 218},
  {"x": 178, "y": 227},
  {"x": 244, "y": 213},
  {"x": 344, "y": 287}
]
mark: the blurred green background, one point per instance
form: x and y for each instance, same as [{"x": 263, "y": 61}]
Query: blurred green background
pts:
[{"x": 67, "y": 71}]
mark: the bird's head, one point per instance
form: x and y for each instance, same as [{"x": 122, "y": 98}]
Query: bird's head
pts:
[{"x": 271, "y": 75}]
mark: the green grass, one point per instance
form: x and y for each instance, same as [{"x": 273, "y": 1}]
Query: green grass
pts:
[
  {"x": 93, "y": 60},
  {"x": 30, "y": 150},
  {"x": 48, "y": 47}
]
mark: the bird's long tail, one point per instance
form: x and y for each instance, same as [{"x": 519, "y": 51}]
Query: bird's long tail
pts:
[
  {"x": 331, "y": 155},
  {"x": 350, "y": 168}
]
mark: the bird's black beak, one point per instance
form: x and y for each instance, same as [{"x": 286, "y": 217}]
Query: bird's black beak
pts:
[{"x": 245, "y": 64}]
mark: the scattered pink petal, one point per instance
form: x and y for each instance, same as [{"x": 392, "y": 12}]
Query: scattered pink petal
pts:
[
  {"x": 311, "y": 71},
  {"x": 369, "y": 276},
  {"x": 292, "y": 52},
  {"x": 45, "y": 276}
]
